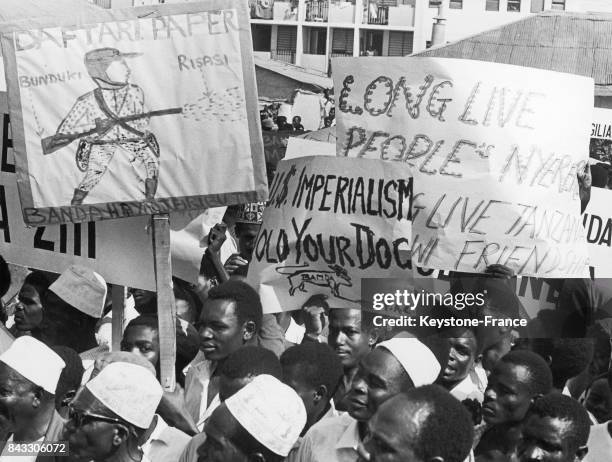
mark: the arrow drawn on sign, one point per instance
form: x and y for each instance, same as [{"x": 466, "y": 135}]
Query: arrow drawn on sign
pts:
[{"x": 39, "y": 130}]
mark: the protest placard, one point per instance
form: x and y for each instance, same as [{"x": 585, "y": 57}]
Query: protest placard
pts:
[
  {"x": 121, "y": 113},
  {"x": 330, "y": 222},
  {"x": 493, "y": 149},
  {"x": 300, "y": 147}
]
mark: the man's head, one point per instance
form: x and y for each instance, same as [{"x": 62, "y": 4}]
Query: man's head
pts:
[
  {"x": 231, "y": 316},
  {"x": 109, "y": 415},
  {"x": 108, "y": 68},
  {"x": 259, "y": 423},
  {"x": 29, "y": 374},
  {"x": 29, "y": 309},
  {"x": 313, "y": 370},
  {"x": 567, "y": 357},
  {"x": 141, "y": 337},
  {"x": 516, "y": 380},
  {"x": 461, "y": 358},
  {"x": 350, "y": 341},
  {"x": 248, "y": 219},
  {"x": 598, "y": 400},
  {"x": 296, "y": 120},
  {"x": 243, "y": 365},
  {"x": 425, "y": 424},
  {"x": 394, "y": 366},
  {"x": 555, "y": 430}
]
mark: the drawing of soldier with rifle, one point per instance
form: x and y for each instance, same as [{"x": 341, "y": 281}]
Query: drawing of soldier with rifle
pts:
[{"x": 108, "y": 119}]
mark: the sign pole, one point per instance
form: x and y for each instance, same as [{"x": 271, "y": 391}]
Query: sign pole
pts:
[
  {"x": 166, "y": 308},
  {"x": 118, "y": 298}
]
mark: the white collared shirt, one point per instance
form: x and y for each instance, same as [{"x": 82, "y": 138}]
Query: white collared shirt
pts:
[
  {"x": 165, "y": 443},
  {"x": 333, "y": 439},
  {"x": 197, "y": 380},
  {"x": 599, "y": 444}
]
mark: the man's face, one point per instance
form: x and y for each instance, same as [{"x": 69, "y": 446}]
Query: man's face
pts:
[
  {"x": 461, "y": 358},
  {"x": 118, "y": 71},
  {"x": 15, "y": 396},
  {"x": 379, "y": 377},
  {"x": 28, "y": 312},
  {"x": 89, "y": 438},
  {"x": 142, "y": 340},
  {"x": 599, "y": 400},
  {"x": 292, "y": 376},
  {"x": 385, "y": 442},
  {"x": 221, "y": 332},
  {"x": 346, "y": 337},
  {"x": 247, "y": 235},
  {"x": 507, "y": 398},
  {"x": 221, "y": 432},
  {"x": 544, "y": 440}
]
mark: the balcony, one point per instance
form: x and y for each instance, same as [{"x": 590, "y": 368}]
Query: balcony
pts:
[
  {"x": 279, "y": 10},
  {"x": 317, "y": 10},
  {"x": 401, "y": 15},
  {"x": 285, "y": 55},
  {"x": 340, "y": 54},
  {"x": 285, "y": 11},
  {"x": 378, "y": 15}
]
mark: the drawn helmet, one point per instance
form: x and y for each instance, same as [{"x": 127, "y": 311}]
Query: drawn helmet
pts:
[{"x": 98, "y": 60}]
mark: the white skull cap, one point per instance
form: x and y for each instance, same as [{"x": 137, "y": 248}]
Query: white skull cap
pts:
[
  {"x": 270, "y": 411},
  {"x": 129, "y": 390},
  {"x": 82, "y": 288},
  {"x": 35, "y": 361},
  {"x": 415, "y": 357}
]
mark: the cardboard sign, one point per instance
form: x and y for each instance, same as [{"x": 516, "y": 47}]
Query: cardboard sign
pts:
[
  {"x": 124, "y": 112},
  {"x": 494, "y": 151},
  {"x": 597, "y": 220},
  {"x": 330, "y": 222}
]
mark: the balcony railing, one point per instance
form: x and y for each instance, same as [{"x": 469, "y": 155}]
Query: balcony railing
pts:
[
  {"x": 378, "y": 15},
  {"x": 103, "y": 3},
  {"x": 341, "y": 54},
  {"x": 285, "y": 55},
  {"x": 317, "y": 10}
]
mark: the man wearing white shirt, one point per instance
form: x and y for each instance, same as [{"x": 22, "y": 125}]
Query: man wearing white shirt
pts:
[{"x": 230, "y": 318}]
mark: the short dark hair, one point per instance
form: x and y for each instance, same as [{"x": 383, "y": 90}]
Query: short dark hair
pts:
[
  {"x": 570, "y": 356},
  {"x": 565, "y": 408},
  {"x": 447, "y": 429},
  {"x": 541, "y": 381},
  {"x": 5, "y": 277},
  {"x": 318, "y": 365},
  {"x": 248, "y": 303},
  {"x": 40, "y": 280},
  {"x": 147, "y": 320},
  {"x": 251, "y": 360}
]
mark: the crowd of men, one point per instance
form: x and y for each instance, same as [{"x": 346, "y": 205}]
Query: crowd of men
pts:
[{"x": 310, "y": 385}]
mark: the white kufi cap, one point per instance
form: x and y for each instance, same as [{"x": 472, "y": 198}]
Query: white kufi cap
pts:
[
  {"x": 129, "y": 390},
  {"x": 35, "y": 361},
  {"x": 82, "y": 288},
  {"x": 417, "y": 360},
  {"x": 270, "y": 411}
]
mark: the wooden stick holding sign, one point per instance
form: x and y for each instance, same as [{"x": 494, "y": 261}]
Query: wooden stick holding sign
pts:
[
  {"x": 118, "y": 298},
  {"x": 166, "y": 308}
]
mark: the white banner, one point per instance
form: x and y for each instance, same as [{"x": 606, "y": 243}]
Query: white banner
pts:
[{"x": 494, "y": 152}]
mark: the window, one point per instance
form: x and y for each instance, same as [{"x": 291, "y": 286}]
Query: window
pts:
[
  {"x": 492, "y": 5},
  {"x": 434, "y": 3},
  {"x": 456, "y": 4},
  {"x": 558, "y": 5},
  {"x": 514, "y": 5}
]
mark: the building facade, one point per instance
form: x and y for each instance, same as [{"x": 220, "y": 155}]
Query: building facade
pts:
[{"x": 309, "y": 33}]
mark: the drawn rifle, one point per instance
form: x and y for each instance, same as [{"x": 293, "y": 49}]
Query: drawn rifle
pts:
[{"x": 52, "y": 143}]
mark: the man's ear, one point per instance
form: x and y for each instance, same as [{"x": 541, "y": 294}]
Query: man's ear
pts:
[
  {"x": 37, "y": 397},
  {"x": 249, "y": 329},
  {"x": 373, "y": 337},
  {"x": 320, "y": 393},
  {"x": 580, "y": 453},
  {"x": 120, "y": 435}
]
